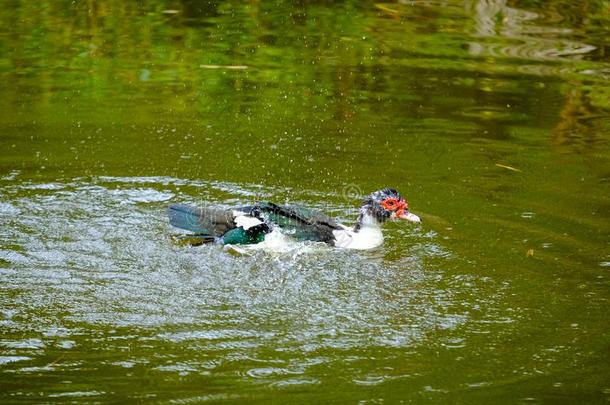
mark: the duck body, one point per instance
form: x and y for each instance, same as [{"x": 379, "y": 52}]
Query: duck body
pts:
[{"x": 250, "y": 224}]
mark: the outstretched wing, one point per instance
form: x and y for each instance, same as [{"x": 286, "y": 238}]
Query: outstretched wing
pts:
[
  {"x": 214, "y": 224},
  {"x": 205, "y": 221},
  {"x": 301, "y": 223}
]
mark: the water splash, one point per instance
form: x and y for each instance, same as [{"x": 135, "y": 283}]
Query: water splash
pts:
[{"x": 91, "y": 261}]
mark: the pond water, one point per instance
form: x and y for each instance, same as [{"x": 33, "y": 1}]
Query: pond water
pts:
[{"x": 492, "y": 117}]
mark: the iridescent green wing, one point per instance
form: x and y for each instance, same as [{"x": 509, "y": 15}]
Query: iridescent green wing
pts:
[{"x": 241, "y": 236}]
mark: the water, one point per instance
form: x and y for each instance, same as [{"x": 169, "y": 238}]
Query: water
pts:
[{"x": 491, "y": 117}]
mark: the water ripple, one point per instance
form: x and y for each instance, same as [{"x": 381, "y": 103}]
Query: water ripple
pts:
[{"x": 99, "y": 269}]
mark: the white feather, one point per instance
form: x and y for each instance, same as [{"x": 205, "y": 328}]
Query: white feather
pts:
[
  {"x": 369, "y": 236},
  {"x": 245, "y": 221}
]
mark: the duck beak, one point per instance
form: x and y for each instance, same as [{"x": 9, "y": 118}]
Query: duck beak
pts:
[{"x": 409, "y": 216}]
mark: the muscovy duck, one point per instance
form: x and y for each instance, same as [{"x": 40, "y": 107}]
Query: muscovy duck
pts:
[{"x": 249, "y": 224}]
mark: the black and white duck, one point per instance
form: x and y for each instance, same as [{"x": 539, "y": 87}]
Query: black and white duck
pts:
[{"x": 251, "y": 224}]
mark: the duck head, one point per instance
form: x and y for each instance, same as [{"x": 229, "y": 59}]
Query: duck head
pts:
[{"x": 387, "y": 204}]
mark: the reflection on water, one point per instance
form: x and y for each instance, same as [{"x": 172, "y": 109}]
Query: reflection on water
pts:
[
  {"x": 514, "y": 33},
  {"x": 492, "y": 117},
  {"x": 576, "y": 132}
]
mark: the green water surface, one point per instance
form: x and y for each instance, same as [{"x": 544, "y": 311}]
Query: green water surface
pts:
[{"x": 491, "y": 117}]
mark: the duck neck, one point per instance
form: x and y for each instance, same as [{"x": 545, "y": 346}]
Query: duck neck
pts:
[{"x": 366, "y": 220}]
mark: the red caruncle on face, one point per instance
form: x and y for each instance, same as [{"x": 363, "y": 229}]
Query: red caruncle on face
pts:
[{"x": 395, "y": 205}]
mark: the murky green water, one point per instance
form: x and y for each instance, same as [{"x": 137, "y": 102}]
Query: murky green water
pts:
[{"x": 492, "y": 117}]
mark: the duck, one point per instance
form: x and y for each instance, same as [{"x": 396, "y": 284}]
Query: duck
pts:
[{"x": 251, "y": 224}]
